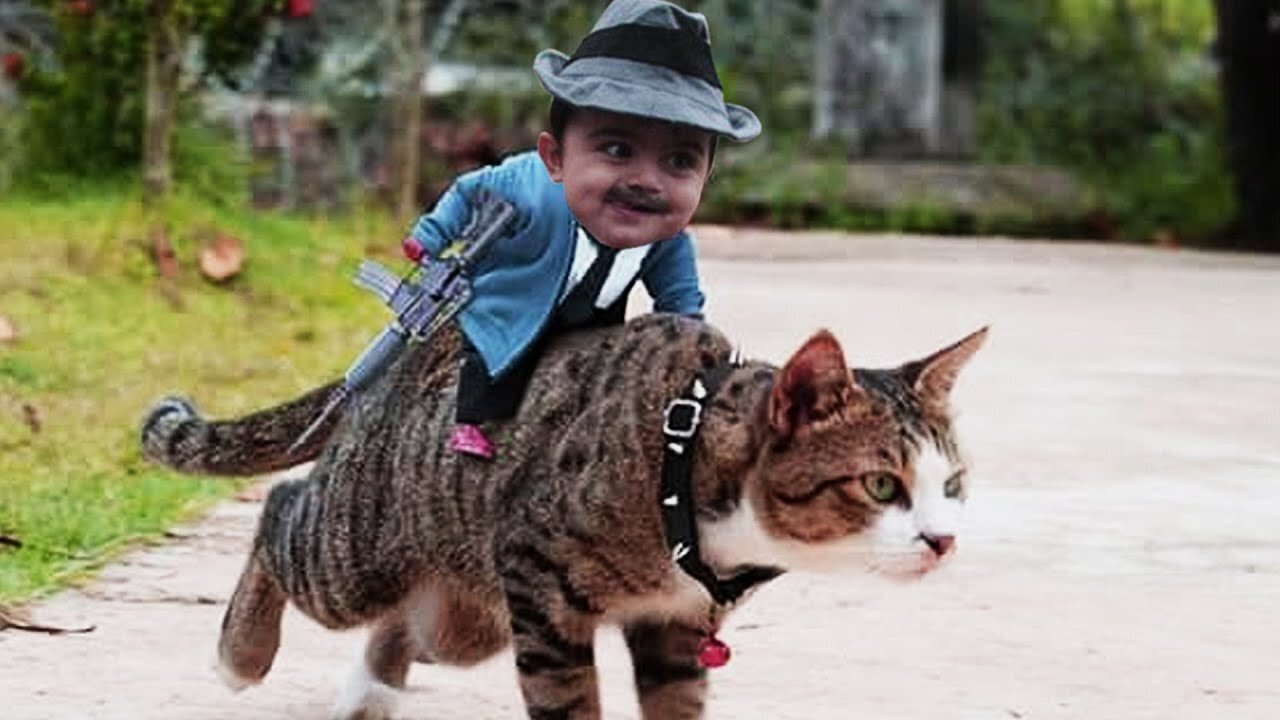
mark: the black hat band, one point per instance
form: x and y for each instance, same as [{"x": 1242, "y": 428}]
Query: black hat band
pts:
[{"x": 679, "y": 50}]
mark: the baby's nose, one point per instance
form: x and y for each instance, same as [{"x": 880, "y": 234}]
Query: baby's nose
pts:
[{"x": 644, "y": 177}]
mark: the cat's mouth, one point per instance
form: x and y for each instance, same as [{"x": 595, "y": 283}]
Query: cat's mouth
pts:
[{"x": 909, "y": 566}]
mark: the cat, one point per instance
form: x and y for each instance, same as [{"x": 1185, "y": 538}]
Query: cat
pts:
[{"x": 452, "y": 559}]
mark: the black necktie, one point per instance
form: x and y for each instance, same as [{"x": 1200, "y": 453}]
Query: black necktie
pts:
[{"x": 580, "y": 304}]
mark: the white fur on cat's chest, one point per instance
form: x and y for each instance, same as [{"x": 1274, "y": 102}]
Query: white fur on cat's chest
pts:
[{"x": 734, "y": 541}]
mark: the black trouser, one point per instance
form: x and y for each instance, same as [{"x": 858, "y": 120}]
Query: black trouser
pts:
[{"x": 482, "y": 399}]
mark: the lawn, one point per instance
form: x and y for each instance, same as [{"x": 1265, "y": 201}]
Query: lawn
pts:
[{"x": 101, "y": 335}]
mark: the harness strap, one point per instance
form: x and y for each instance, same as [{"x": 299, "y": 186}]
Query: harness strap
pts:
[{"x": 680, "y": 424}]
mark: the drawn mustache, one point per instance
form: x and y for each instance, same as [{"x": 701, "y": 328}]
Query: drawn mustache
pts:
[{"x": 636, "y": 198}]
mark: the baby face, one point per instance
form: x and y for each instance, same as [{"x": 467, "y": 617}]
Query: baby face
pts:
[{"x": 629, "y": 180}]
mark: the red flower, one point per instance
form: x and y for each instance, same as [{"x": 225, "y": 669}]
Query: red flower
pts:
[
  {"x": 82, "y": 8},
  {"x": 12, "y": 65},
  {"x": 299, "y": 8}
]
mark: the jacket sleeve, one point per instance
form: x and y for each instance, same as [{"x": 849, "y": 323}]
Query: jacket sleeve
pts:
[
  {"x": 444, "y": 223},
  {"x": 672, "y": 277}
]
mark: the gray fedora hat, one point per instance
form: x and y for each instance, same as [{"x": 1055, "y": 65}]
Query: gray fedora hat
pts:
[{"x": 648, "y": 58}]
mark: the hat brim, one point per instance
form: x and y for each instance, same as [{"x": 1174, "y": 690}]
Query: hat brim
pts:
[{"x": 635, "y": 88}]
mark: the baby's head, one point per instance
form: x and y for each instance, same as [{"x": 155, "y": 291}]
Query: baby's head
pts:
[
  {"x": 629, "y": 180},
  {"x": 634, "y": 122}
]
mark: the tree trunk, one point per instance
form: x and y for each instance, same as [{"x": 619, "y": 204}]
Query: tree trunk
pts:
[
  {"x": 164, "y": 67},
  {"x": 413, "y": 68},
  {"x": 824, "y": 68},
  {"x": 961, "y": 76},
  {"x": 1249, "y": 50}
]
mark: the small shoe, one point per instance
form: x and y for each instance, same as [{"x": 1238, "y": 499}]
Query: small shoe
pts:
[{"x": 470, "y": 440}]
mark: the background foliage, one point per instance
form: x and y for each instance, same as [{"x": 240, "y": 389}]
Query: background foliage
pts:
[
  {"x": 1122, "y": 93},
  {"x": 84, "y": 112}
]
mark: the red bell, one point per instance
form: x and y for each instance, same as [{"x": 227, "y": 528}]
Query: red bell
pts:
[{"x": 712, "y": 653}]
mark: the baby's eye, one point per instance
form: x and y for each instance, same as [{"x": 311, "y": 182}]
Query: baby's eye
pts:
[
  {"x": 684, "y": 161},
  {"x": 616, "y": 150}
]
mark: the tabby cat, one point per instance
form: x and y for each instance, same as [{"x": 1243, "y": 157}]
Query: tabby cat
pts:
[{"x": 451, "y": 559}]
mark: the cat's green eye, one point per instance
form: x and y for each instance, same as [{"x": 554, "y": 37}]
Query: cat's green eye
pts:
[
  {"x": 954, "y": 485},
  {"x": 882, "y": 487}
]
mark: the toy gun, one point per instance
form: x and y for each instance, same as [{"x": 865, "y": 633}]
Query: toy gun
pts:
[{"x": 423, "y": 300}]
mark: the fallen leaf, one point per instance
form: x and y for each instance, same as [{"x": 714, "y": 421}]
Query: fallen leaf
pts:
[
  {"x": 253, "y": 494},
  {"x": 223, "y": 258},
  {"x": 8, "y": 331},
  {"x": 162, "y": 252},
  {"x": 31, "y": 416},
  {"x": 11, "y": 619},
  {"x": 10, "y": 615},
  {"x": 1167, "y": 239}
]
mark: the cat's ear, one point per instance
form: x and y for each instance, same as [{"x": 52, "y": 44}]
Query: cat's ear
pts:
[
  {"x": 935, "y": 375},
  {"x": 813, "y": 384}
]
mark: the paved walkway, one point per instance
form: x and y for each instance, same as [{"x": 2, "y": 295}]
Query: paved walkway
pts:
[{"x": 1122, "y": 559}]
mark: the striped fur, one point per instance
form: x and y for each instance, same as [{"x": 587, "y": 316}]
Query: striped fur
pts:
[{"x": 450, "y": 559}]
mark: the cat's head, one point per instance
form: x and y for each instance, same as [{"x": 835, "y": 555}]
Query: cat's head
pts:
[{"x": 862, "y": 467}]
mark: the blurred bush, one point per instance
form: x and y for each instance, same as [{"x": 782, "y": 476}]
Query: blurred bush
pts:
[
  {"x": 11, "y": 156},
  {"x": 1122, "y": 92},
  {"x": 81, "y": 115}
]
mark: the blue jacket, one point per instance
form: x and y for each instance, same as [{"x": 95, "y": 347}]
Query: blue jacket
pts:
[{"x": 518, "y": 280}]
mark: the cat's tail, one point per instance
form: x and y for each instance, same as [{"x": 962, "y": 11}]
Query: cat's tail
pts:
[{"x": 175, "y": 435}]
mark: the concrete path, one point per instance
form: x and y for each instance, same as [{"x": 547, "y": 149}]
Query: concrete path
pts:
[{"x": 1122, "y": 558}]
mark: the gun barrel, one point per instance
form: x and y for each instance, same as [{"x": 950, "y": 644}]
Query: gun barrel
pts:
[{"x": 380, "y": 353}]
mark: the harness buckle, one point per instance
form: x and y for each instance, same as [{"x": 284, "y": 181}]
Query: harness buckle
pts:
[{"x": 678, "y": 423}]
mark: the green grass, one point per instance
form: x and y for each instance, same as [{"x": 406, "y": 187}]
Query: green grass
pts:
[{"x": 102, "y": 336}]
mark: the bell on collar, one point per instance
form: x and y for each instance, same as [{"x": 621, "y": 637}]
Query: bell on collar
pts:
[{"x": 713, "y": 653}]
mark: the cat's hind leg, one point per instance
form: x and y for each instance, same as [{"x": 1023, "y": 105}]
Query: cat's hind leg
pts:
[
  {"x": 467, "y": 626},
  {"x": 432, "y": 625},
  {"x": 251, "y": 627},
  {"x": 670, "y": 682},
  {"x": 373, "y": 686}
]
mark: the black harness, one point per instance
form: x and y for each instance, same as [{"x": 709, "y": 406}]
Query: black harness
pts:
[{"x": 680, "y": 423}]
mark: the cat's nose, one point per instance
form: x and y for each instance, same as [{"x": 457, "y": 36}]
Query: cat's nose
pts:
[{"x": 939, "y": 544}]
